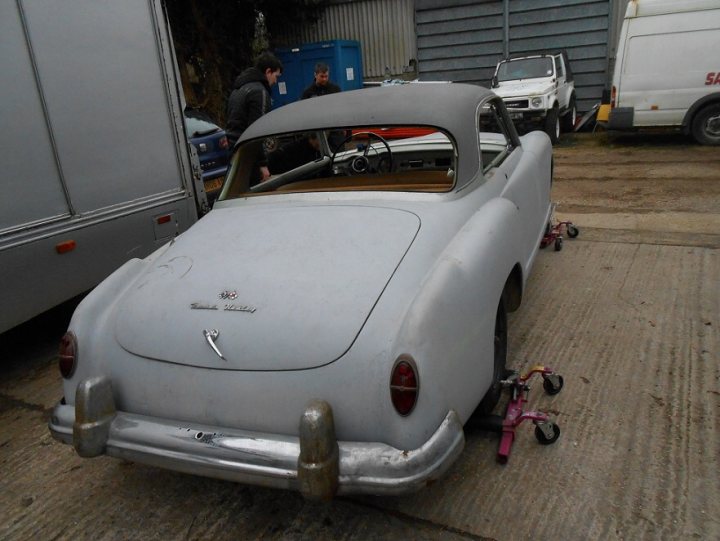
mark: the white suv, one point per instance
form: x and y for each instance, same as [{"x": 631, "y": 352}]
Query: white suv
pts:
[{"x": 538, "y": 90}]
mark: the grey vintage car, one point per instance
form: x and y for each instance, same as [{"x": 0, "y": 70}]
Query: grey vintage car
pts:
[{"x": 332, "y": 327}]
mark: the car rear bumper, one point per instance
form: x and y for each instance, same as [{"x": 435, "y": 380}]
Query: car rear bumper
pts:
[{"x": 94, "y": 427}]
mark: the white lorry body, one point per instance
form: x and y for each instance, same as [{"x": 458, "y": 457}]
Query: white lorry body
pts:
[
  {"x": 667, "y": 70},
  {"x": 96, "y": 168}
]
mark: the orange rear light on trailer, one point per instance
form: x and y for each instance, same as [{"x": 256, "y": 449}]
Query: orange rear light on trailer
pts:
[{"x": 65, "y": 246}]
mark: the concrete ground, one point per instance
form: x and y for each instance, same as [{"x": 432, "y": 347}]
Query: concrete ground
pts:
[{"x": 628, "y": 313}]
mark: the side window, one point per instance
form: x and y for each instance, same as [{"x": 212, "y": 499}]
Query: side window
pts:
[
  {"x": 559, "y": 66},
  {"x": 497, "y": 135}
]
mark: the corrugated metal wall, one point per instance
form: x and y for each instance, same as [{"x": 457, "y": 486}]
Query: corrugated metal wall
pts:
[
  {"x": 384, "y": 28},
  {"x": 462, "y": 40}
]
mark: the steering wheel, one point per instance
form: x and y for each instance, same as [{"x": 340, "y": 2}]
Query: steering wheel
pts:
[{"x": 360, "y": 164}]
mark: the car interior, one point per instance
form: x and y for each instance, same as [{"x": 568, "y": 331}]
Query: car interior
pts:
[
  {"x": 409, "y": 158},
  {"x": 385, "y": 158}
]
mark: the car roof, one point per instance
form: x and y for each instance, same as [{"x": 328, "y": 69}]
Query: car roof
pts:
[
  {"x": 443, "y": 105},
  {"x": 448, "y": 106}
]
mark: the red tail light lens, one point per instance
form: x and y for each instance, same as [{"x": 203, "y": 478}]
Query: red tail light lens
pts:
[
  {"x": 404, "y": 385},
  {"x": 68, "y": 355},
  {"x": 224, "y": 143},
  {"x": 613, "y": 95}
]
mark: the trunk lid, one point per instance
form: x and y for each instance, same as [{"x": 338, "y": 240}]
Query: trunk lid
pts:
[{"x": 286, "y": 288}]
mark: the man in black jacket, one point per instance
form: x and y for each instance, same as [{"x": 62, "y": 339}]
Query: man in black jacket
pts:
[
  {"x": 321, "y": 85},
  {"x": 250, "y": 98}
]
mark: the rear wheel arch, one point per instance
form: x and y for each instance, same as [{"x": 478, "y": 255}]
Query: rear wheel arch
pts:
[
  {"x": 573, "y": 98},
  {"x": 508, "y": 302},
  {"x": 705, "y": 127},
  {"x": 696, "y": 107},
  {"x": 512, "y": 291},
  {"x": 500, "y": 346}
]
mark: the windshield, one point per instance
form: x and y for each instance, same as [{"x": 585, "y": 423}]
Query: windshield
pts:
[
  {"x": 382, "y": 158},
  {"x": 525, "y": 68}
]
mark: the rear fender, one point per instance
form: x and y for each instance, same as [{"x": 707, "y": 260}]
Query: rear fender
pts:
[
  {"x": 91, "y": 322},
  {"x": 449, "y": 326}
]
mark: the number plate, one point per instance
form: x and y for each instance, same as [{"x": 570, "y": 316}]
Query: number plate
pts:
[
  {"x": 516, "y": 116},
  {"x": 213, "y": 184}
]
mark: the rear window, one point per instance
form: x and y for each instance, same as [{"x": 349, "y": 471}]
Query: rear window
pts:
[
  {"x": 382, "y": 158},
  {"x": 198, "y": 124}
]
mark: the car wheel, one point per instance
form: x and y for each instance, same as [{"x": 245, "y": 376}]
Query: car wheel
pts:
[
  {"x": 570, "y": 117},
  {"x": 492, "y": 396},
  {"x": 706, "y": 125},
  {"x": 552, "y": 125}
]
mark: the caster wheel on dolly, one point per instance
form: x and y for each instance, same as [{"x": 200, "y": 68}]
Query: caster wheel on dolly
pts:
[
  {"x": 553, "y": 384},
  {"x": 546, "y": 439}
]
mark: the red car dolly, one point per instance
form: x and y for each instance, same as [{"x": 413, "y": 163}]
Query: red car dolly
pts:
[
  {"x": 554, "y": 233},
  {"x": 546, "y": 431}
]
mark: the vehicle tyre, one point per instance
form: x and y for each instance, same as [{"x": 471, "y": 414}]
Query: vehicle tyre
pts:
[
  {"x": 552, "y": 389},
  {"x": 558, "y": 244},
  {"x": 706, "y": 125},
  {"x": 544, "y": 440},
  {"x": 569, "y": 119},
  {"x": 552, "y": 125},
  {"x": 492, "y": 396},
  {"x": 572, "y": 231}
]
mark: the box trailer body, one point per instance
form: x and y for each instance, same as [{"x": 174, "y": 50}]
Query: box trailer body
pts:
[
  {"x": 667, "y": 71},
  {"x": 96, "y": 168}
]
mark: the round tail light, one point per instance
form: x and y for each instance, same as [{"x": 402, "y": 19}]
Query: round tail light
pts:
[
  {"x": 404, "y": 385},
  {"x": 67, "y": 355}
]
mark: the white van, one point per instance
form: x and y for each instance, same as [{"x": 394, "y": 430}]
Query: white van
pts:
[{"x": 667, "y": 71}]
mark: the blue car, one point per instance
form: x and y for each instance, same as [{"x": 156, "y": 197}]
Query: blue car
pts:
[{"x": 212, "y": 147}]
